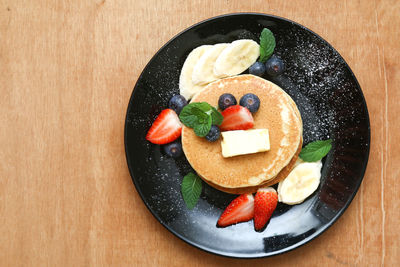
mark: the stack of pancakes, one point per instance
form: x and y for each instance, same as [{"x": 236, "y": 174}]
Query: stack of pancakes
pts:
[{"x": 246, "y": 173}]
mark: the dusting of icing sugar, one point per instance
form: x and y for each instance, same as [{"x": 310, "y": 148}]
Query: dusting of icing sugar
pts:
[{"x": 313, "y": 76}]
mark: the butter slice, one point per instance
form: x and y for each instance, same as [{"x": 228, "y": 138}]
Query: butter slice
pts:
[{"x": 241, "y": 142}]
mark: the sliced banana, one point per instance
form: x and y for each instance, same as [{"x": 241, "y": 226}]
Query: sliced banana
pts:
[
  {"x": 203, "y": 71},
  {"x": 301, "y": 182},
  {"x": 298, "y": 162},
  {"x": 186, "y": 86},
  {"x": 236, "y": 58}
]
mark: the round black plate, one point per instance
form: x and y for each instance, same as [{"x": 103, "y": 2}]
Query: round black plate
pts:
[{"x": 331, "y": 104}]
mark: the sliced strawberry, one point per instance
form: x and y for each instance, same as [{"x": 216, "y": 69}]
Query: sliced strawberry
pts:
[
  {"x": 241, "y": 209},
  {"x": 165, "y": 129},
  {"x": 264, "y": 205},
  {"x": 236, "y": 118}
]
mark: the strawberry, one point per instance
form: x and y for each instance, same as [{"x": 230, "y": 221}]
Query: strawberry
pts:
[
  {"x": 241, "y": 209},
  {"x": 236, "y": 118},
  {"x": 165, "y": 129},
  {"x": 264, "y": 205}
]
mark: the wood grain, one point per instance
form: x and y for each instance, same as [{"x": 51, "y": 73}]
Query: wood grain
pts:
[{"x": 67, "y": 69}]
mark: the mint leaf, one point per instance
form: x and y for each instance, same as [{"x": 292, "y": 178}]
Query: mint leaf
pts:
[
  {"x": 187, "y": 117},
  {"x": 200, "y": 116},
  {"x": 216, "y": 116},
  {"x": 267, "y": 45},
  {"x": 191, "y": 189},
  {"x": 202, "y": 129},
  {"x": 316, "y": 150},
  {"x": 203, "y": 106},
  {"x": 191, "y": 114}
]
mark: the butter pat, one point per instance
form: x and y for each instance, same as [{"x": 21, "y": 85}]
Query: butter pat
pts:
[{"x": 235, "y": 143}]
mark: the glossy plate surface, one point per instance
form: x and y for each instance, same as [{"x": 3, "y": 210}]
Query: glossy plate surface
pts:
[{"x": 331, "y": 104}]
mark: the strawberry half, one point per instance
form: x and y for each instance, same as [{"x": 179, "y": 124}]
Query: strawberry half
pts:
[
  {"x": 241, "y": 209},
  {"x": 264, "y": 205},
  {"x": 236, "y": 118},
  {"x": 165, "y": 129}
]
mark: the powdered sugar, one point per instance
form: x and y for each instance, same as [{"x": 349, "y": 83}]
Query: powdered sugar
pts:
[{"x": 331, "y": 106}]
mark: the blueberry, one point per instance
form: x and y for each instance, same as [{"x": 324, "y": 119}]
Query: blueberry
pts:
[
  {"x": 173, "y": 150},
  {"x": 274, "y": 66},
  {"x": 251, "y": 102},
  {"x": 226, "y": 100},
  {"x": 213, "y": 134},
  {"x": 257, "y": 69},
  {"x": 177, "y": 102}
]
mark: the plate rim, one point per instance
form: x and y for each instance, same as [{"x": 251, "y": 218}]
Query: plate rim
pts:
[{"x": 266, "y": 254}]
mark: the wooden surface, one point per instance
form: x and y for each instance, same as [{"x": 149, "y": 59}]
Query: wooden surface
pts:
[{"x": 67, "y": 69}]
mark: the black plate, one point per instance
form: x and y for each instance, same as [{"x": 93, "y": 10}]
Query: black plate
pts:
[{"x": 331, "y": 104}]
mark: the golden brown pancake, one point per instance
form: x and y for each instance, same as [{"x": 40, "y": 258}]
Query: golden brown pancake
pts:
[
  {"x": 278, "y": 113},
  {"x": 252, "y": 189}
]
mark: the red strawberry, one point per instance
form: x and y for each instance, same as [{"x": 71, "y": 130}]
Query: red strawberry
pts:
[
  {"x": 236, "y": 118},
  {"x": 264, "y": 205},
  {"x": 165, "y": 129},
  {"x": 241, "y": 209}
]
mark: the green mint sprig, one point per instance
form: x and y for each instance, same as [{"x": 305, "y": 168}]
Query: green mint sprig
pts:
[
  {"x": 200, "y": 116},
  {"x": 316, "y": 150},
  {"x": 191, "y": 189},
  {"x": 267, "y": 45}
]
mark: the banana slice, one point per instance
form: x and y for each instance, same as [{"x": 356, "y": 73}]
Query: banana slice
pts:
[
  {"x": 186, "y": 86},
  {"x": 298, "y": 162},
  {"x": 203, "y": 71},
  {"x": 301, "y": 182},
  {"x": 236, "y": 58}
]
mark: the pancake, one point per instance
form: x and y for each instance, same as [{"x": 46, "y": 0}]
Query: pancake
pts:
[
  {"x": 278, "y": 113},
  {"x": 252, "y": 189}
]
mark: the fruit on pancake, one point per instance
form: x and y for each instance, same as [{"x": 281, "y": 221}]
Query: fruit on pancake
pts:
[
  {"x": 236, "y": 58},
  {"x": 203, "y": 71},
  {"x": 250, "y": 101},
  {"x": 226, "y": 100},
  {"x": 186, "y": 86},
  {"x": 274, "y": 66},
  {"x": 301, "y": 182},
  {"x": 241, "y": 209},
  {"x": 236, "y": 118},
  {"x": 278, "y": 113},
  {"x": 174, "y": 149},
  {"x": 165, "y": 129},
  {"x": 265, "y": 203},
  {"x": 213, "y": 134},
  {"x": 257, "y": 69},
  {"x": 176, "y": 103}
]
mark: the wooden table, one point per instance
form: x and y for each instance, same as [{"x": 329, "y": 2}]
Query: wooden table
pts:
[{"x": 67, "y": 69}]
